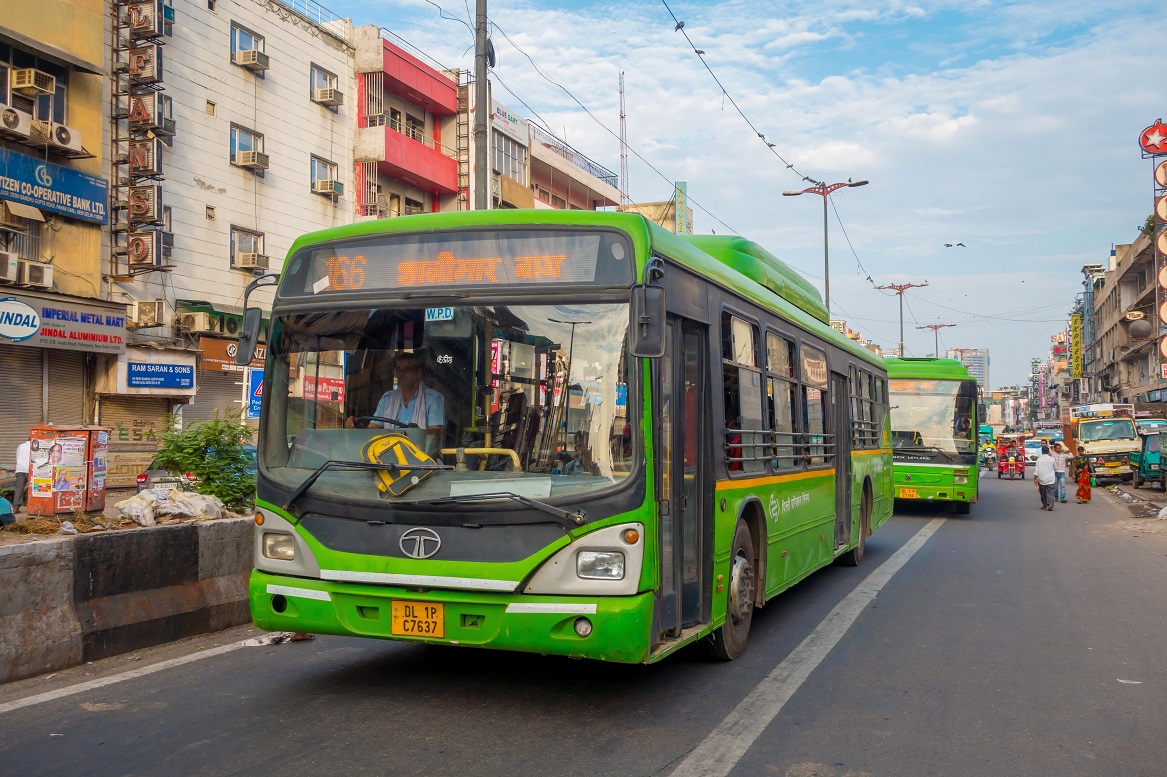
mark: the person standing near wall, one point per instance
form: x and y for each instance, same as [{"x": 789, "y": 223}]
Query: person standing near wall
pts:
[{"x": 23, "y": 461}]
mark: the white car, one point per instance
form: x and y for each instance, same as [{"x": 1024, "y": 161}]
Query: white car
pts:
[{"x": 1032, "y": 451}]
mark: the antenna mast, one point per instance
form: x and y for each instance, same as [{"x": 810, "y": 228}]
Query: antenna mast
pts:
[{"x": 624, "y": 199}]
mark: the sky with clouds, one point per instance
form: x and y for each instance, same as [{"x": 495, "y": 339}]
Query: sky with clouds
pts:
[{"x": 1011, "y": 127}]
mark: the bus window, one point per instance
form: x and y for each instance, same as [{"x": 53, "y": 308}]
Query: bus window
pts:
[
  {"x": 745, "y": 435},
  {"x": 814, "y": 404},
  {"x": 782, "y": 397}
]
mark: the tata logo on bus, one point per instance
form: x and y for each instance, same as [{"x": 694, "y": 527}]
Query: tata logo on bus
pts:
[{"x": 18, "y": 321}]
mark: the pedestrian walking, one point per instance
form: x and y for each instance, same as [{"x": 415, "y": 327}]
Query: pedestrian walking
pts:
[
  {"x": 1084, "y": 471},
  {"x": 23, "y": 460},
  {"x": 1062, "y": 459},
  {"x": 1045, "y": 478}
]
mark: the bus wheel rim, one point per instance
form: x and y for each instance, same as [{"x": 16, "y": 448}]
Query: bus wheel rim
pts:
[{"x": 741, "y": 589}]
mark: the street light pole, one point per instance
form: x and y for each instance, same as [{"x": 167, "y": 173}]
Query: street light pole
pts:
[
  {"x": 570, "y": 350},
  {"x": 936, "y": 332},
  {"x": 481, "y": 199},
  {"x": 900, "y": 288},
  {"x": 824, "y": 190}
]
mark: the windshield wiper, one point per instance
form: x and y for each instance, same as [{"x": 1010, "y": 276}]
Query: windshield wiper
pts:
[
  {"x": 946, "y": 454},
  {"x": 341, "y": 464},
  {"x": 566, "y": 516}
]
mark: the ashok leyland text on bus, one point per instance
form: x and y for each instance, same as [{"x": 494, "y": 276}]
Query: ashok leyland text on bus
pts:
[{"x": 558, "y": 432}]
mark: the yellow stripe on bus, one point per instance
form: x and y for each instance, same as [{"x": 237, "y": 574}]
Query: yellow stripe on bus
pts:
[{"x": 725, "y": 485}]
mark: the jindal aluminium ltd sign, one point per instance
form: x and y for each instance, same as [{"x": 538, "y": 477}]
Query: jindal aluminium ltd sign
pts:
[
  {"x": 62, "y": 323},
  {"x": 44, "y": 185}
]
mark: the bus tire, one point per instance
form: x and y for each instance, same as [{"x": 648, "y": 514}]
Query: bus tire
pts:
[
  {"x": 854, "y": 557},
  {"x": 730, "y": 640}
]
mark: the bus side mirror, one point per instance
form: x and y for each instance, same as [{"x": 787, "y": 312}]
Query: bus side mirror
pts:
[
  {"x": 248, "y": 336},
  {"x": 648, "y": 321}
]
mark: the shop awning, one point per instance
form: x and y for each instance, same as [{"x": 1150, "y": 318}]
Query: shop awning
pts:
[{"x": 24, "y": 211}]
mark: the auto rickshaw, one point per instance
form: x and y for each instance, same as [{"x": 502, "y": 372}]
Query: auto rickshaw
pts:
[
  {"x": 1146, "y": 463},
  {"x": 1011, "y": 464}
]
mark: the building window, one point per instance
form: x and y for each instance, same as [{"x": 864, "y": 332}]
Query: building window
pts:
[
  {"x": 49, "y": 107},
  {"x": 415, "y": 128},
  {"x": 210, "y": 108},
  {"x": 322, "y": 170},
  {"x": 243, "y": 139},
  {"x": 243, "y": 39},
  {"x": 320, "y": 79},
  {"x": 510, "y": 157},
  {"x": 244, "y": 241},
  {"x": 413, "y": 207}
]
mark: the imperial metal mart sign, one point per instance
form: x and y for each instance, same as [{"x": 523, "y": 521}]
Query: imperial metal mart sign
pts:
[
  {"x": 64, "y": 323},
  {"x": 44, "y": 185}
]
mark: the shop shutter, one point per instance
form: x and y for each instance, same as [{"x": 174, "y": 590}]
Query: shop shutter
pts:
[
  {"x": 20, "y": 401},
  {"x": 217, "y": 392},
  {"x": 66, "y": 387}
]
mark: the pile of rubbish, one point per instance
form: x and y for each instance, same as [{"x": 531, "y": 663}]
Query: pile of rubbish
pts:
[{"x": 146, "y": 507}]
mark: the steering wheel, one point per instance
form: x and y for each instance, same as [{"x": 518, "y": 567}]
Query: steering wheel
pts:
[{"x": 394, "y": 421}]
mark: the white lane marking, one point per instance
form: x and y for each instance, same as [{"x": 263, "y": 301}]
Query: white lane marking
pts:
[
  {"x": 726, "y": 744},
  {"x": 101, "y": 682}
]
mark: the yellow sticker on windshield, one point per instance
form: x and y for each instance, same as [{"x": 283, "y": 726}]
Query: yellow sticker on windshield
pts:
[{"x": 396, "y": 449}]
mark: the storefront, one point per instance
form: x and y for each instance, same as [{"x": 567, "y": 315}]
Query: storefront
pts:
[
  {"x": 223, "y": 384},
  {"x": 136, "y": 394},
  {"x": 49, "y": 344}
]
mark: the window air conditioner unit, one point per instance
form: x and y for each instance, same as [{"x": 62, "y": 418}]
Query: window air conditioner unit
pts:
[
  {"x": 328, "y": 187},
  {"x": 145, "y": 313},
  {"x": 328, "y": 96},
  {"x": 10, "y": 222},
  {"x": 9, "y": 268},
  {"x": 36, "y": 274},
  {"x": 15, "y": 124},
  {"x": 250, "y": 261},
  {"x": 252, "y": 160},
  {"x": 197, "y": 323},
  {"x": 32, "y": 82},
  {"x": 57, "y": 136},
  {"x": 252, "y": 59}
]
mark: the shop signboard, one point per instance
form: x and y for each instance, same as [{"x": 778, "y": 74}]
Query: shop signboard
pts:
[
  {"x": 219, "y": 355},
  {"x": 147, "y": 375},
  {"x": 44, "y": 185},
  {"x": 254, "y": 392},
  {"x": 54, "y": 321}
]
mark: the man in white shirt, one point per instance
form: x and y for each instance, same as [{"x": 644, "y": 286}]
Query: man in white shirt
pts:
[
  {"x": 1045, "y": 477},
  {"x": 23, "y": 459}
]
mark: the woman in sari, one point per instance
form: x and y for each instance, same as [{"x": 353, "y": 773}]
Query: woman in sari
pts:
[{"x": 1084, "y": 471}]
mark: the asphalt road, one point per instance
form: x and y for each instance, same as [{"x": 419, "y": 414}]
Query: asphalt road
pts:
[{"x": 1014, "y": 642}]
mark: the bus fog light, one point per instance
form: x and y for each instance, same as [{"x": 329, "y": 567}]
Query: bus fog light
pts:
[
  {"x": 600, "y": 565},
  {"x": 960, "y": 478},
  {"x": 279, "y": 546},
  {"x": 583, "y": 627}
]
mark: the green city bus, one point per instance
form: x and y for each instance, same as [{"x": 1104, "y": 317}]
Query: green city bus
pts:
[
  {"x": 568, "y": 433},
  {"x": 933, "y": 415}
]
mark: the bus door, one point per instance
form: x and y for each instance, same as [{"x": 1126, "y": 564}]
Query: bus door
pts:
[
  {"x": 841, "y": 433},
  {"x": 685, "y": 506}
]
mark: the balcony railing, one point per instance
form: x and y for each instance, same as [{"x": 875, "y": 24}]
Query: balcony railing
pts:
[
  {"x": 411, "y": 131},
  {"x": 383, "y": 211},
  {"x": 318, "y": 15},
  {"x": 401, "y": 42},
  {"x": 576, "y": 158}
]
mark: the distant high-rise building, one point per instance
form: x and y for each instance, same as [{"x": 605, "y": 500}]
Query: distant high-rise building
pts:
[{"x": 976, "y": 360}]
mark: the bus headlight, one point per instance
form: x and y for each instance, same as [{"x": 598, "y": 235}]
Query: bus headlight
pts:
[
  {"x": 279, "y": 546},
  {"x": 960, "y": 479},
  {"x": 600, "y": 565}
]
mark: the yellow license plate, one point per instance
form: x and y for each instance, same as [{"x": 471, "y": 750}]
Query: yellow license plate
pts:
[
  {"x": 907, "y": 493},
  {"x": 418, "y": 619}
]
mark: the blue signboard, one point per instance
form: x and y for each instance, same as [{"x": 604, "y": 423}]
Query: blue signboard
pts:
[
  {"x": 146, "y": 375},
  {"x": 254, "y": 392},
  {"x": 44, "y": 185}
]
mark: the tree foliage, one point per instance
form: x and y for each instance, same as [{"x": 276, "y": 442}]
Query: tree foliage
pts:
[
  {"x": 214, "y": 452},
  {"x": 1148, "y": 227}
]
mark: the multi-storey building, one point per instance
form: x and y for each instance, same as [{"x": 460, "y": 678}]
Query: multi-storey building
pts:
[
  {"x": 1124, "y": 368},
  {"x": 976, "y": 360},
  {"x": 54, "y": 324},
  {"x": 229, "y": 136}
]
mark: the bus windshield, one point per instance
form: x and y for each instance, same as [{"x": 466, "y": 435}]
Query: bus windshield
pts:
[
  {"x": 931, "y": 421},
  {"x": 531, "y": 400},
  {"x": 1095, "y": 431}
]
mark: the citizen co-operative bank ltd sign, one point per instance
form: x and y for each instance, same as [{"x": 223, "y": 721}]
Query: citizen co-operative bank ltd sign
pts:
[{"x": 50, "y": 187}]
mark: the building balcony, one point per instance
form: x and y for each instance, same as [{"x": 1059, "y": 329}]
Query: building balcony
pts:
[
  {"x": 563, "y": 177},
  {"x": 408, "y": 155}
]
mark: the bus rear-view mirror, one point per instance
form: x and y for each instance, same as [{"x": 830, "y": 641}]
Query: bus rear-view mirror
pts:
[
  {"x": 648, "y": 321},
  {"x": 248, "y": 336}
]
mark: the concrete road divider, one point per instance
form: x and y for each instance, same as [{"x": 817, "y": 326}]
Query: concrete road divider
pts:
[{"x": 63, "y": 602}]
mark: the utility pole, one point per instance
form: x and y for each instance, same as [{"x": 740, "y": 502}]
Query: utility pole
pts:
[
  {"x": 481, "y": 111},
  {"x": 900, "y": 288},
  {"x": 624, "y": 199},
  {"x": 824, "y": 190},
  {"x": 936, "y": 333}
]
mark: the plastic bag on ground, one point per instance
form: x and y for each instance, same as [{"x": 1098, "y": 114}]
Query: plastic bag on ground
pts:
[
  {"x": 138, "y": 509},
  {"x": 278, "y": 637},
  {"x": 1163, "y": 514},
  {"x": 67, "y": 528}
]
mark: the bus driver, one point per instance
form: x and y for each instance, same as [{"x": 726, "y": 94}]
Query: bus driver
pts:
[{"x": 411, "y": 402}]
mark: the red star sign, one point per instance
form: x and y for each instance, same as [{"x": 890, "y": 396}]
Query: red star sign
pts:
[{"x": 1154, "y": 138}]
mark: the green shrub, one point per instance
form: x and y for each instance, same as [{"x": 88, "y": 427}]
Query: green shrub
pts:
[{"x": 214, "y": 452}]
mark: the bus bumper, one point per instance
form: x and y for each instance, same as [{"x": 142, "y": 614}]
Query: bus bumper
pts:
[
  {"x": 945, "y": 492},
  {"x": 620, "y": 625}
]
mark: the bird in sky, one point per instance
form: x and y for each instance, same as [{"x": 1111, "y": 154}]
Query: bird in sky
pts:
[
  {"x": 962, "y": 245},
  {"x": 680, "y": 26},
  {"x": 948, "y": 245}
]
